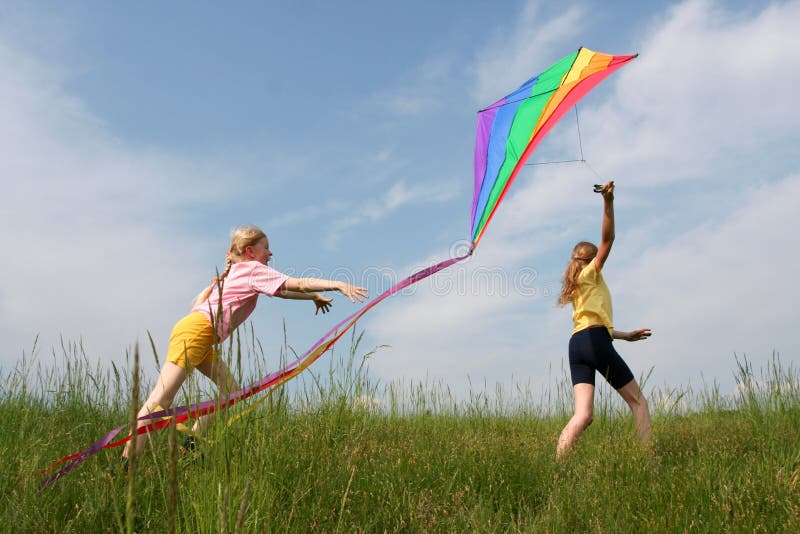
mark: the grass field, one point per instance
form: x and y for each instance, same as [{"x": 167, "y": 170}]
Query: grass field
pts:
[{"x": 339, "y": 452}]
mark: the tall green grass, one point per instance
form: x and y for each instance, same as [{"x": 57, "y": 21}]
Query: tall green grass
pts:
[{"x": 338, "y": 451}]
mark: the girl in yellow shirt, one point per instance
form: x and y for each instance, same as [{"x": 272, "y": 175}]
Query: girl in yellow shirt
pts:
[{"x": 590, "y": 347}]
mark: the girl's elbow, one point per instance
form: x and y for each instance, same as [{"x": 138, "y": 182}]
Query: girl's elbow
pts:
[{"x": 291, "y": 284}]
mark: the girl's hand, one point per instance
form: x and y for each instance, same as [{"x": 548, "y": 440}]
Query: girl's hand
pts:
[
  {"x": 323, "y": 304},
  {"x": 353, "y": 292},
  {"x": 641, "y": 333},
  {"x": 608, "y": 191}
]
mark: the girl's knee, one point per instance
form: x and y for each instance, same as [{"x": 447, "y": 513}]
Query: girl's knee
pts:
[
  {"x": 644, "y": 406},
  {"x": 157, "y": 401},
  {"x": 583, "y": 419},
  {"x": 637, "y": 403}
]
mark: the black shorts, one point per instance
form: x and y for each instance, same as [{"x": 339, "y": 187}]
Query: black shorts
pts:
[{"x": 591, "y": 350}]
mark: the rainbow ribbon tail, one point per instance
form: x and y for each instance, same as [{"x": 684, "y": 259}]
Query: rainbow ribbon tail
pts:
[{"x": 163, "y": 418}]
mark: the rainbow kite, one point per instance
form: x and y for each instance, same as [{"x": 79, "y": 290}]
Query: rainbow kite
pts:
[
  {"x": 508, "y": 132},
  {"x": 510, "y": 129}
]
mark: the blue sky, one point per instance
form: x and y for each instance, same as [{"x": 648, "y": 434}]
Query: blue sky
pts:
[{"x": 135, "y": 137}]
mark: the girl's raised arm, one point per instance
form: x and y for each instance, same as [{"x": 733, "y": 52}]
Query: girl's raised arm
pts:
[{"x": 607, "y": 238}]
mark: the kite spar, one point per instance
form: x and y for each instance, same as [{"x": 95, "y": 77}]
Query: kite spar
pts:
[{"x": 508, "y": 132}]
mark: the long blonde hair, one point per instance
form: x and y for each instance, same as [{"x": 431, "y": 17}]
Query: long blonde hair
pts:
[
  {"x": 241, "y": 238},
  {"x": 583, "y": 253}
]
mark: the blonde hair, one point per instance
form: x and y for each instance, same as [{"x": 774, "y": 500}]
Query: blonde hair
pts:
[
  {"x": 583, "y": 253},
  {"x": 241, "y": 238}
]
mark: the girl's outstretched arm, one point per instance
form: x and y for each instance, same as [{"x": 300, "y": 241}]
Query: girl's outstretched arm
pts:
[
  {"x": 322, "y": 302},
  {"x": 635, "y": 335},
  {"x": 310, "y": 285}
]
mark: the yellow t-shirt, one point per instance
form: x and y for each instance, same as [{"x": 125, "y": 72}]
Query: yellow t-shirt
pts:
[{"x": 591, "y": 305}]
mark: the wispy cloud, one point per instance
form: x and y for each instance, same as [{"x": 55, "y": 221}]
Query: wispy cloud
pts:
[
  {"x": 399, "y": 195},
  {"x": 420, "y": 91},
  {"x": 517, "y": 51}
]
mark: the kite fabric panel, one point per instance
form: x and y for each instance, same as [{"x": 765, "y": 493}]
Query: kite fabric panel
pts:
[{"x": 509, "y": 130}]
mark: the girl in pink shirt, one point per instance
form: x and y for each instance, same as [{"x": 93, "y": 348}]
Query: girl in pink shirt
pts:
[{"x": 219, "y": 310}]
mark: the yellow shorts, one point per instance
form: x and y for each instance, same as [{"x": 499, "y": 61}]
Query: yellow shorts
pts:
[{"x": 192, "y": 342}]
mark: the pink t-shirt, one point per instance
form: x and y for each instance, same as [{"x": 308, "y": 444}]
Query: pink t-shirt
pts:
[{"x": 240, "y": 291}]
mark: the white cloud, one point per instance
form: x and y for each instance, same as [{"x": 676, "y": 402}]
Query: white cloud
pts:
[
  {"x": 708, "y": 86},
  {"x": 702, "y": 265},
  {"x": 720, "y": 288},
  {"x": 95, "y": 243}
]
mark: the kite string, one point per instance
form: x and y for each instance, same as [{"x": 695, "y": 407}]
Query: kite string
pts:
[
  {"x": 580, "y": 141},
  {"x": 580, "y": 148}
]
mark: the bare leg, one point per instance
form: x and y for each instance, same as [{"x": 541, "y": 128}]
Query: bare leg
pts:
[
  {"x": 219, "y": 373},
  {"x": 638, "y": 405},
  {"x": 584, "y": 402},
  {"x": 167, "y": 386}
]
